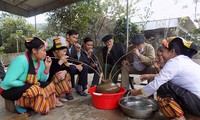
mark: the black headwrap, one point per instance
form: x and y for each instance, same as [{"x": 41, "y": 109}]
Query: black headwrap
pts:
[{"x": 30, "y": 44}]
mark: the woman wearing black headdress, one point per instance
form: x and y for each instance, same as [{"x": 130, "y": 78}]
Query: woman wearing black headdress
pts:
[{"x": 25, "y": 80}]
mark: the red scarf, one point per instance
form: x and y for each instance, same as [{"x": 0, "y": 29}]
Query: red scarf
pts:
[{"x": 1, "y": 90}]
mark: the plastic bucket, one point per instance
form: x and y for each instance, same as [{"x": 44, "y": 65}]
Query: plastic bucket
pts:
[{"x": 106, "y": 101}]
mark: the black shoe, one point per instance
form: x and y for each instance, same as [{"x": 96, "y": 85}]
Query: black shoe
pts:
[
  {"x": 84, "y": 88},
  {"x": 81, "y": 93},
  {"x": 69, "y": 96},
  {"x": 78, "y": 88}
]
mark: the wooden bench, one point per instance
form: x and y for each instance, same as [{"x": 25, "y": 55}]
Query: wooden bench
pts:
[{"x": 10, "y": 106}]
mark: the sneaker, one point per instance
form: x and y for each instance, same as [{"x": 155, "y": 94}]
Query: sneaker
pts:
[{"x": 69, "y": 96}]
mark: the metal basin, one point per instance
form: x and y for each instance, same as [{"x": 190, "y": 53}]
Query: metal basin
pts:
[{"x": 138, "y": 106}]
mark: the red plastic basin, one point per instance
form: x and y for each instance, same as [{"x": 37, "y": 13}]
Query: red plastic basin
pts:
[{"x": 106, "y": 101}]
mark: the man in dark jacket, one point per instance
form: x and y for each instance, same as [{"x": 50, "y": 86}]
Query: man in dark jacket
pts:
[
  {"x": 74, "y": 51},
  {"x": 112, "y": 58},
  {"x": 89, "y": 57}
]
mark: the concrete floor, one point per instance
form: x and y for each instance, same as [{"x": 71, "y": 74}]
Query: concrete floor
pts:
[{"x": 80, "y": 108}]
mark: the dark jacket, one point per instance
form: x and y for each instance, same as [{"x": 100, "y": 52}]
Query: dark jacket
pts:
[
  {"x": 73, "y": 54},
  {"x": 115, "y": 54},
  {"x": 55, "y": 67},
  {"x": 88, "y": 60}
]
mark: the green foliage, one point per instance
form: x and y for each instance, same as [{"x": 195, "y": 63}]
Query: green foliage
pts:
[
  {"x": 93, "y": 18},
  {"x": 114, "y": 9},
  {"x": 1, "y": 49},
  {"x": 196, "y": 36},
  {"x": 10, "y": 25},
  {"x": 120, "y": 30},
  {"x": 196, "y": 31},
  {"x": 80, "y": 16}
]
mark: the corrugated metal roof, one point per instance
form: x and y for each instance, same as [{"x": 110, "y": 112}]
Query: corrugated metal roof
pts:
[
  {"x": 167, "y": 23},
  {"x": 28, "y": 8}
]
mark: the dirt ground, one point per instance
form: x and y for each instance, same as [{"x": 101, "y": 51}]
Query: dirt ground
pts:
[{"x": 80, "y": 108}]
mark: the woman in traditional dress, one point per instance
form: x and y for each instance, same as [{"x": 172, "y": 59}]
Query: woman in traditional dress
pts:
[
  {"x": 178, "y": 82},
  {"x": 25, "y": 80},
  {"x": 59, "y": 68}
]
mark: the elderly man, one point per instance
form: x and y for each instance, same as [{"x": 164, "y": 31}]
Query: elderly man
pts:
[
  {"x": 112, "y": 54},
  {"x": 139, "y": 59}
]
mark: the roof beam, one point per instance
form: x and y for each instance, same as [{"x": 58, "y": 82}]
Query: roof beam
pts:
[
  {"x": 51, "y": 6},
  {"x": 21, "y": 2},
  {"x": 16, "y": 9},
  {"x": 4, "y": 6}
]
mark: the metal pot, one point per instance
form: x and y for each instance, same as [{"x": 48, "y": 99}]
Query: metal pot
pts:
[
  {"x": 138, "y": 106},
  {"x": 108, "y": 87}
]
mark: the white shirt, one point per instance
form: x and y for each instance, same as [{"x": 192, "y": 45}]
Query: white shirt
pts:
[{"x": 182, "y": 71}]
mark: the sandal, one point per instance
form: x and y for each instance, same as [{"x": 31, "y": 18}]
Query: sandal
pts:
[
  {"x": 20, "y": 110},
  {"x": 58, "y": 103},
  {"x": 63, "y": 99}
]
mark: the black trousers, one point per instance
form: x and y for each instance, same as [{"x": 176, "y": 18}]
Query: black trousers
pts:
[
  {"x": 82, "y": 75},
  {"x": 16, "y": 92},
  {"x": 188, "y": 101},
  {"x": 96, "y": 76}
]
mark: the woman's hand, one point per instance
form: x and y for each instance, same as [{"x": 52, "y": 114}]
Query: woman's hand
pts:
[
  {"x": 79, "y": 67},
  {"x": 156, "y": 64},
  {"x": 61, "y": 74},
  {"x": 38, "y": 83},
  {"x": 63, "y": 59},
  {"x": 47, "y": 64},
  {"x": 135, "y": 92}
]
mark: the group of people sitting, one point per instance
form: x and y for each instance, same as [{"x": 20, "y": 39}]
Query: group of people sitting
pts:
[
  {"x": 38, "y": 78},
  {"x": 172, "y": 73}
]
